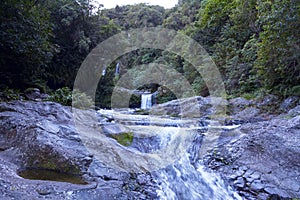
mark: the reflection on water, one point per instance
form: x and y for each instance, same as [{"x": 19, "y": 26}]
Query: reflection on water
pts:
[{"x": 50, "y": 175}]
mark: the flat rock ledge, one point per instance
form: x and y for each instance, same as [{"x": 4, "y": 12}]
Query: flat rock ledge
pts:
[{"x": 42, "y": 136}]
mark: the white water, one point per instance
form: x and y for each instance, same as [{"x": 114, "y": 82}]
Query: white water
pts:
[
  {"x": 182, "y": 181},
  {"x": 170, "y": 158},
  {"x": 146, "y": 101}
]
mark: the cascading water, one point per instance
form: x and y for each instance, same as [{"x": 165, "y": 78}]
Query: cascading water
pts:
[
  {"x": 170, "y": 153},
  {"x": 146, "y": 101}
]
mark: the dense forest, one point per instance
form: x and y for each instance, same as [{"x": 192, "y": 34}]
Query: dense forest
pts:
[{"x": 254, "y": 43}]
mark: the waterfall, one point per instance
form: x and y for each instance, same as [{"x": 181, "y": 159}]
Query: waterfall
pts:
[
  {"x": 117, "y": 69},
  {"x": 146, "y": 101},
  {"x": 171, "y": 154}
]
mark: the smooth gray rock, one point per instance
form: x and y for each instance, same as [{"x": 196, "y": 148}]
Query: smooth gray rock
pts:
[
  {"x": 260, "y": 158},
  {"x": 294, "y": 112},
  {"x": 240, "y": 183},
  {"x": 257, "y": 186},
  {"x": 42, "y": 135},
  {"x": 237, "y": 105},
  {"x": 193, "y": 107},
  {"x": 268, "y": 101},
  {"x": 289, "y": 103}
]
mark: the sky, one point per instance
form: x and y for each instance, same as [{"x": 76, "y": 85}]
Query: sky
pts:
[{"x": 113, "y": 3}]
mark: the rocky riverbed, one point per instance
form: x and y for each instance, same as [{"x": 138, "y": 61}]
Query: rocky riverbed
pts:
[
  {"x": 260, "y": 159},
  {"x": 256, "y": 155}
]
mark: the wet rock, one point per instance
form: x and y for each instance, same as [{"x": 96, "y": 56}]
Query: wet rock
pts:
[
  {"x": 39, "y": 139},
  {"x": 276, "y": 193},
  {"x": 35, "y": 94},
  {"x": 112, "y": 129},
  {"x": 289, "y": 103},
  {"x": 255, "y": 175},
  {"x": 233, "y": 177},
  {"x": 294, "y": 112},
  {"x": 248, "y": 173},
  {"x": 268, "y": 101},
  {"x": 244, "y": 168},
  {"x": 248, "y": 114},
  {"x": 146, "y": 144},
  {"x": 44, "y": 191},
  {"x": 239, "y": 104},
  {"x": 42, "y": 136},
  {"x": 191, "y": 107},
  {"x": 268, "y": 152},
  {"x": 240, "y": 183},
  {"x": 257, "y": 186},
  {"x": 260, "y": 159},
  {"x": 143, "y": 179}
]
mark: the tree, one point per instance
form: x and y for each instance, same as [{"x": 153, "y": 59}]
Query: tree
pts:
[
  {"x": 77, "y": 30},
  {"x": 136, "y": 16},
  {"x": 25, "y": 43},
  {"x": 278, "y": 53}
]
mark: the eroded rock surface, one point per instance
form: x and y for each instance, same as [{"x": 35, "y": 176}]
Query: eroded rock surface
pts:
[
  {"x": 42, "y": 135},
  {"x": 264, "y": 161},
  {"x": 259, "y": 159}
]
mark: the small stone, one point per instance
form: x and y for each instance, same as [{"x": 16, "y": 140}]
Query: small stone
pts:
[
  {"x": 235, "y": 167},
  {"x": 43, "y": 191},
  {"x": 240, "y": 173},
  {"x": 252, "y": 177},
  {"x": 142, "y": 180},
  {"x": 243, "y": 168},
  {"x": 275, "y": 191},
  {"x": 88, "y": 160},
  {"x": 247, "y": 174},
  {"x": 289, "y": 103},
  {"x": 239, "y": 182},
  {"x": 234, "y": 176},
  {"x": 257, "y": 186},
  {"x": 255, "y": 175}
]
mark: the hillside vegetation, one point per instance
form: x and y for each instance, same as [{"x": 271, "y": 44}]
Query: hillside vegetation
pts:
[{"x": 254, "y": 43}]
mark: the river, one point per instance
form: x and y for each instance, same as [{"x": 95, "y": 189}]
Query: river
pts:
[{"x": 169, "y": 148}]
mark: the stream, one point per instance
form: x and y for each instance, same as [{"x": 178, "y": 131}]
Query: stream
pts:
[
  {"x": 169, "y": 149},
  {"x": 47, "y": 151}
]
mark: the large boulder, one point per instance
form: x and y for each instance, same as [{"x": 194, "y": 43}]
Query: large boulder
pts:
[
  {"x": 43, "y": 135},
  {"x": 38, "y": 140},
  {"x": 193, "y": 107}
]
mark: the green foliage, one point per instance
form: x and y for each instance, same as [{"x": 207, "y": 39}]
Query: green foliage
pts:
[
  {"x": 215, "y": 13},
  {"x": 200, "y": 87},
  {"x": 255, "y": 44},
  {"x": 25, "y": 33},
  {"x": 295, "y": 91},
  {"x": 135, "y": 101},
  {"x": 278, "y": 50},
  {"x": 67, "y": 97},
  {"x": 62, "y": 96},
  {"x": 182, "y": 16},
  {"x": 81, "y": 100},
  {"x": 136, "y": 16},
  {"x": 124, "y": 139},
  {"x": 8, "y": 94},
  {"x": 76, "y": 32},
  {"x": 255, "y": 94},
  {"x": 164, "y": 95}
]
